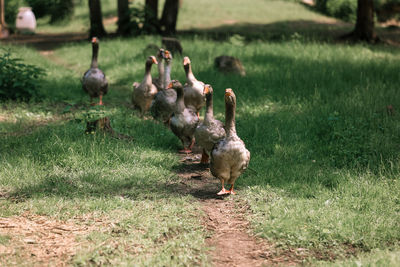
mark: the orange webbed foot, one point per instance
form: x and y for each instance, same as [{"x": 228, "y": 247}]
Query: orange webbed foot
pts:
[{"x": 223, "y": 192}]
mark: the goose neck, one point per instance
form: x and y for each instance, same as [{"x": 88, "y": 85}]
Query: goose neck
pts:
[
  {"x": 189, "y": 74},
  {"x": 167, "y": 74},
  {"x": 209, "y": 108},
  {"x": 160, "y": 67},
  {"x": 95, "y": 53},
  {"x": 180, "y": 103},
  {"x": 230, "y": 125}
]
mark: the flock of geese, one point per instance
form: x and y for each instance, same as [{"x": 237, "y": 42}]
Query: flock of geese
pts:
[{"x": 178, "y": 107}]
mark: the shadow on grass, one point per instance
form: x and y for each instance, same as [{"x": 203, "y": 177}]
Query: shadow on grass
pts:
[{"x": 279, "y": 31}]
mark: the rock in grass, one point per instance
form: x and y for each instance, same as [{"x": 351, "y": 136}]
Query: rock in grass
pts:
[
  {"x": 228, "y": 64},
  {"x": 172, "y": 44},
  {"x": 150, "y": 49}
]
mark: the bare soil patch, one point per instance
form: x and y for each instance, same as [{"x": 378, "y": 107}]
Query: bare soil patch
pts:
[
  {"x": 41, "y": 241},
  {"x": 46, "y": 41}
]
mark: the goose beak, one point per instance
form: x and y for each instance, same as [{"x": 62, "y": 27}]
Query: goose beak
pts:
[
  {"x": 167, "y": 54},
  {"x": 186, "y": 61},
  {"x": 228, "y": 92},
  {"x": 169, "y": 85},
  {"x": 206, "y": 89},
  {"x": 94, "y": 40},
  {"x": 154, "y": 60}
]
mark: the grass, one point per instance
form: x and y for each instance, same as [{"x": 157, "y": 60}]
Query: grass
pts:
[{"x": 324, "y": 165}]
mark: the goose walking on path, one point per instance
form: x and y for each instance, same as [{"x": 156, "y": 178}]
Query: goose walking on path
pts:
[
  {"x": 94, "y": 80},
  {"x": 184, "y": 120},
  {"x": 210, "y": 131},
  {"x": 193, "y": 88},
  {"x": 229, "y": 157},
  {"x": 144, "y": 92}
]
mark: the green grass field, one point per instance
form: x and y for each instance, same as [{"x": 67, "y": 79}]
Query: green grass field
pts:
[{"x": 325, "y": 162}]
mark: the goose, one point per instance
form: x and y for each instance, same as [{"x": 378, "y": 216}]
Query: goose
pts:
[
  {"x": 210, "y": 131},
  {"x": 159, "y": 81},
  {"x": 164, "y": 102},
  {"x": 229, "y": 157},
  {"x": 94, "y": 80},
  {"x": 193, "y": 88},
  {"x": 144, "y": 92},
  {"x": 184, "y": 120}
]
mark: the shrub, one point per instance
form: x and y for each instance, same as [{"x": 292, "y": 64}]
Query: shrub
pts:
[
  {"x": 347, "y": 9},
  {"x": 342, "y": 9},
  {"x": 18, "y": 80},
  {"x": 57, "y": 9},
  {"x": 11, "y": 10}
]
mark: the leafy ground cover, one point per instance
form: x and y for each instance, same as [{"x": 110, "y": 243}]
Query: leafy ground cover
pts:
[{"x": 320, "y": 119}]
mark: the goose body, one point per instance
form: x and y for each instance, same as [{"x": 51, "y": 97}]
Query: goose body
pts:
[
  {"x": 193, "y": 88},
  {"x": 229, "y": 157},
  {"x": 163, "y": 105},
  {"x": 184, "y": 120},
  {"x": 210, "y": 131},
  {"x": 144, "y": 92},
  {"x": 94, "y": 80}
]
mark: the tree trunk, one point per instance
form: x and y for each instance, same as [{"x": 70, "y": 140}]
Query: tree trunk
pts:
[
  {"x": 170, "y": 16},
  {"x": 151, "y": 23},
  {"x": 96, "y": 19},
  {"x": 123, "y": 17},
  {"x": 364, "y": 30},
  {"x": 2, "y": 21},
  {"x": 3, "y": 26},
  {"x": 365, "y": 21}
]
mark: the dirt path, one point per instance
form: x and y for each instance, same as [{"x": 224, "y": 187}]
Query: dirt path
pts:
[{"x": 231, "y": 240}]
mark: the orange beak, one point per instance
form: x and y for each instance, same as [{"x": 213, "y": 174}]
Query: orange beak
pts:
[
  {"x": 167, "y": 54},
  {"x": 154, "y": 60},
  {"x": 169, "y": 85},
  {"x": 228, "y": 92},
  {"x": 206, "y": 89},
  {"x": 186, "y": 61},
  {"x": 94, "y": 40}
]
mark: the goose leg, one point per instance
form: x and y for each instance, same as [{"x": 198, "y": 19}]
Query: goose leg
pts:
[
  {"x": 223, "y": 190},
  {"x": 231, "y": 191},
  {"x": 191, "y": 144},
  {"x": 204, "y": 157},
  {"x": 101, "y": 100},
  {"x": 185, "y": 150}
]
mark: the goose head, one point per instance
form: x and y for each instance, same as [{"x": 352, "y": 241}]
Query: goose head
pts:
[
  {"x": 167, "y": 55},
  {"x": 186, "y": 61},
  {"x": 151, "y": 60},
  {"x": 160, "y": 54},
  {"x": 208, "y": 90},
  {"x": 95, "y": 40},
  {"x": 175, "y": 84},
  {"x": 230, "y": 97}
]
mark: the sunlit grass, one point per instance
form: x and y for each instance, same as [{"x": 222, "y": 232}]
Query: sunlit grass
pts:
[{"x": 324, "y": 170}]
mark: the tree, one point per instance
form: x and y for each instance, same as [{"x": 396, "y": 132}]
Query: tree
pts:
[
  {"x": 3, "y": 25},
  {"x": 170, "y": 16},
  {"x": 364, "y": 29},
  {"x": 96, "y": 19},
  {"x": 123, "y": 17},
  {"x": 151, "y": 23}
]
